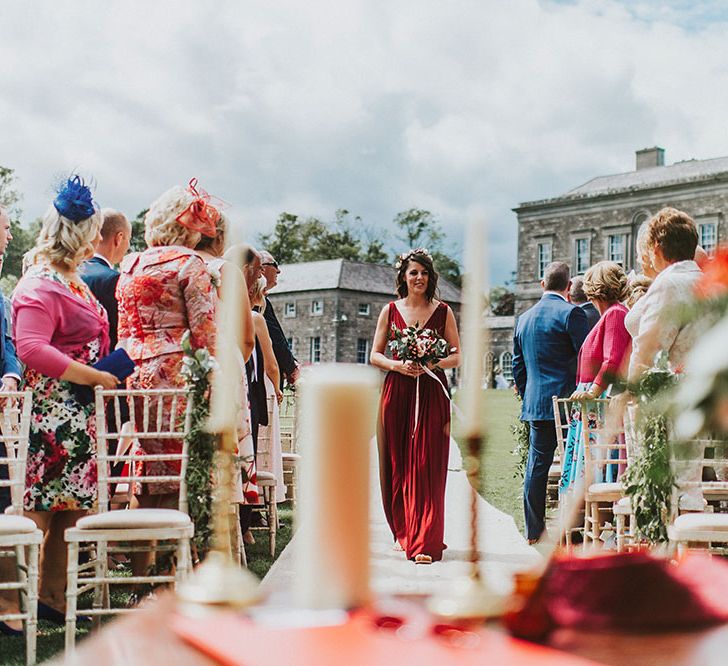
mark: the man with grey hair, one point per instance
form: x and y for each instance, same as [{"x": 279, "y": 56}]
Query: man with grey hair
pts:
[
  {"x": 578, "y": 297},
  {"x": 99, "y": 272},
  {"x": 286, "y": 360},
  {"x": 545, "y": 350}
]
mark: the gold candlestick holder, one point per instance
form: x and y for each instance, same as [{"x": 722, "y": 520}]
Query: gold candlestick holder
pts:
[
  {"x": 470, "y": 598},
  {"x": 219, "y": 582}
]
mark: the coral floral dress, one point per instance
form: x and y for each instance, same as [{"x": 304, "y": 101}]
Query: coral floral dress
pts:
[
  {"x": 163, "y": 292},
  {"x": 58, "y": 321},
  {"x": 413, "y": 460}
]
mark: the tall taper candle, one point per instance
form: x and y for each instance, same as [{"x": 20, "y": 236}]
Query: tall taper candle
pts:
[
  {"x": 473, "y": 339},
  {"x": 338, "y": 417}
]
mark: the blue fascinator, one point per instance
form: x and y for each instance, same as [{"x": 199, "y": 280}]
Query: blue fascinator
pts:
[{"x": 74, "y": 200}]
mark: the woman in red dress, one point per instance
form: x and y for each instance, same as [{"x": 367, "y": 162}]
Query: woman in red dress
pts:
[{"x": 414, "y": 418}]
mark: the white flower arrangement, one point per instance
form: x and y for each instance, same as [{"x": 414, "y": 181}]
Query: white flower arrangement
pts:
[{"x": 411, "y": 254}]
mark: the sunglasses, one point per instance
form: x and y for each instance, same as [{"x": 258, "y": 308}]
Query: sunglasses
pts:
[{"x": 270, "y": 263}]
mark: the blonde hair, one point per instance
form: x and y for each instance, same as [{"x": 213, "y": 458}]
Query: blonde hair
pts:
[
  {"x": 63, "y": 241},
  {"x": 160, "y": 223},
  {"x": 216, "y": 244},
  {"x": 257, "y": 293},
  {"x": 638, "y": 287},
  {"x": 606, "y": 281},
  {"x": 642, "y": 247}
]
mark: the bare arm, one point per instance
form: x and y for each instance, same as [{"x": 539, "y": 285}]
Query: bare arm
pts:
[
  {"x": 266, "y": 346},
  {"x": 453, "y": 341},
  {"x": 247, "y": 332},
  {"x": 377, "y": 357}
]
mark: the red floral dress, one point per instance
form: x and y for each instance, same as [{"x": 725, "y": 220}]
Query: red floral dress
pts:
[
  {"x": 61, "y": 473},
  {"x": 162, "y": 293}
]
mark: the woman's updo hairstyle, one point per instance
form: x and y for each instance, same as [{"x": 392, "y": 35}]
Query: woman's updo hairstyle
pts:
[
  {"x": 161, "y": 227},
  {"x": 421, "y": 256},
  {"x": 606, "y": 281},
  {"x": 215, "y": 245},
  {"x": 68, "y": 228},
  {"x": 257, "y": 294}
]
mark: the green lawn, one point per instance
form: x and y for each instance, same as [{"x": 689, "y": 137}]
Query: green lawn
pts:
[{"x": 501, "y": 486}]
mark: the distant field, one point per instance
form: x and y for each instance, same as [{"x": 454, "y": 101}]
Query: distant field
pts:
[{"x": 500, "y": 487}]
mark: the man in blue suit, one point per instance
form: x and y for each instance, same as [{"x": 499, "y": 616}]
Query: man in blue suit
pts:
[
  {"x": 9, "y": 364},
  {"x": 99, "y": 272},
  {"x": 578, "y": 297},
  {"x": 545, "y": 349}
]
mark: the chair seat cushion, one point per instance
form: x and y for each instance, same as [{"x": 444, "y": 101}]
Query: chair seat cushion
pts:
[
  {"x": 134, "y": 519},
  {"x": 265, "y": 478},
  {"x": 16, "y": 525},
  {"x": 702, "y": 521},
  {"x": 609, "y": 491}
]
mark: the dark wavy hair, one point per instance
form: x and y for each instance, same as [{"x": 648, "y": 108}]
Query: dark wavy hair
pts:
[{"x": 423, "y": 258}]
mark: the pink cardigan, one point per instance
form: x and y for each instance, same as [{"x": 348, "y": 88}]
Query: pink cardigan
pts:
[
  {"x": 604, "y": 348},
  {"x": 50, "y": 323}
]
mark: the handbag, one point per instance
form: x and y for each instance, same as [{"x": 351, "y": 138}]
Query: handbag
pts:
[{"x": 118, "y": 363}]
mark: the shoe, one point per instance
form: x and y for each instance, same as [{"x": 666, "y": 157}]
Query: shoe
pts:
[
  {"x": 6, "y": 630},
  {"x": 50, "y": 614},
  {"x": 422, "y": 558},
  {"x": 248, "y": 538}
]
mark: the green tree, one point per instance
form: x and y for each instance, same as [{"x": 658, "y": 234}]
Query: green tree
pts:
[
  {"x": 502, "y": 301},
  {"x": 23, "y": 239},
  {"x": 420, "y": 228},
  {"x": 138, "y": 244}
]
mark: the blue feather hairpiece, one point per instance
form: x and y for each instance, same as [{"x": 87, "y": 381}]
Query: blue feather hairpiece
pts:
[{"x": 74, "y": 200}]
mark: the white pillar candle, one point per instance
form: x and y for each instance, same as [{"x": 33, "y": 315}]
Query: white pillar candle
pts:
[
  {"x": 337, "y": 420},
  {"x": 473, "y": 337}
]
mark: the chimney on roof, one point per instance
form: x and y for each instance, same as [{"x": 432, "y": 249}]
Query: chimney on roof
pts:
[{"x": 650, "y": 157}]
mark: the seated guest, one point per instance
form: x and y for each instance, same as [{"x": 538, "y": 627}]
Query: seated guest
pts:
[
  {"x": 578, "y": 297},
  {"x": 99, "y": 273},
  {"x": 671, "y": 239},
  {"x": 600, "y": 357},
  {"x": 163, "y": 293},
  {"x": 61, "y": 330}
]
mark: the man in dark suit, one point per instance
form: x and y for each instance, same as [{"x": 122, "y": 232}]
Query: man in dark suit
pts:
[
  {"x": 545, "y": 348},
  {"x": 578, "y": 297},
  {"x": 9, "y": 364},
  {"x": 286, "y": 360},
  {"x": 99, "y": 272}
]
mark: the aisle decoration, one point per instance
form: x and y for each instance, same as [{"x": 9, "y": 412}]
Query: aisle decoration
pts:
[
  {"x": 521, "y": 432},
  {"x": 197, "y": 366}
]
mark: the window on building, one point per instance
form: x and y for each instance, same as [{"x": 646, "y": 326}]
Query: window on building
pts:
[
  {"x": 582, "y": 258},
  {"x": 289, "y": 342},
  {"x": 488, "y": 362},
  {"x": 317, "y": 307},
  {"x": 362, "y": 350},
  {"x": 708, "y": 236},
  {"x": 289, "y": 310},
  {"x": 506, "y": 365},
  {"x": 315, "y": 349},
  {"x": 617, "y": 249},
  {"x": 544, "y": 257},
  {"x": 364, "y": 309}
]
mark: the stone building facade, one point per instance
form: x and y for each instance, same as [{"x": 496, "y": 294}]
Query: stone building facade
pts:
[
  {"x": 329, "y": 309},
  {"x": 600, "y": 220}
]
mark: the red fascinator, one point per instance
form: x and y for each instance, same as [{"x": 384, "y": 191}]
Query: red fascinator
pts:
[{"x": 201, "y": 215}]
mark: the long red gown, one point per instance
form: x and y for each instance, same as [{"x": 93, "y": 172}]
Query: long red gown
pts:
[{"x": 413, "y": 461}]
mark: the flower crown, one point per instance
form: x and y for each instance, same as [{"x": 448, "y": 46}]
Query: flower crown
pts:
[
  {"x": 74, "y": 200},
  {"x": 406, "y": 256}
]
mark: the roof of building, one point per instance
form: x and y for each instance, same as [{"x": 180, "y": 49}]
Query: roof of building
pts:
[
  {"x": 659, "y": 176},
  {"x": 350, "y": 275}
]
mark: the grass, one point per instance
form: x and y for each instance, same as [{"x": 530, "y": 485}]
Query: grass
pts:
[
  {"x": 51, "y": 637},
  {"x": 501, "y": 486}
]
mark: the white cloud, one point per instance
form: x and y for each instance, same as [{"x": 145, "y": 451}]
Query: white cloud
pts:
[{"x": 372, "y": 106}]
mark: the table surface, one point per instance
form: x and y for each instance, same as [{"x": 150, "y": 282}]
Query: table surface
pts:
[{"x": 147, "y": 638}]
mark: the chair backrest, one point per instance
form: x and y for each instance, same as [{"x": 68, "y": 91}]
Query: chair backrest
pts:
[
  {"x": 15, "y": 408},
  {"x": 602, "y": 448},
  {"x": 288, "y": 423},
  {"x": 701, "y": 470},
  {"x": 154, "y": 415},
  {"x": 562, "y": 418}
]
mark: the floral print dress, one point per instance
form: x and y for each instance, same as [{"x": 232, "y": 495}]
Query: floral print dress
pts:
[
  {"x": 162, "y": 293},
  {"x": 61, "y": 472}
]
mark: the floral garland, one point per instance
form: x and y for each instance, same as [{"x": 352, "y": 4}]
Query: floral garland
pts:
[
  {"x": 521, "y": 432},
  {"x": 197, "y": 365}
]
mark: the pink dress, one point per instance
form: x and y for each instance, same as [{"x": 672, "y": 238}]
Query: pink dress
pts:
[{"x": 163, "y": 293}]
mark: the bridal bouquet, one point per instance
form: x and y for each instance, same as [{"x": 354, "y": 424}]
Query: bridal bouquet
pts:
[{"x": 421, "y": 345}]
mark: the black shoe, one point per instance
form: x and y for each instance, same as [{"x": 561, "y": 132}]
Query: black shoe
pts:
[
  {"x": 46, "y": 612},
  {"x": 5, "y": 630}
]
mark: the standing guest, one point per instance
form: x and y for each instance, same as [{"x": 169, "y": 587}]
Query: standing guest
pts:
[
  {"x": 414, "y": 445},
  {"x": 9, "y": 365},
  {"x": 61, "y": 330},
  {"x": 546, "y": 343},
  {"x": 600, "y": 357},
  {"x": 578, "y": 297},
  {"x": 99, "y": 272},
  {"x": 671, "y": 240},
  {"x": 285, "y": 359},
  {"x": 163, "y": 293}
]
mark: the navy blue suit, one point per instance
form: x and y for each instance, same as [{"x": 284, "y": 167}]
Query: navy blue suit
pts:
[
  {"x": 102, "y": 280},
  {"x": 592, "y": 314},
  {"x": 545, "y": 350},
  {"x": 9, "y": 365}
]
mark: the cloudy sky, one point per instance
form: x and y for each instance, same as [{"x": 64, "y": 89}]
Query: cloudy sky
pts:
[{"x": 374, "y": 106}]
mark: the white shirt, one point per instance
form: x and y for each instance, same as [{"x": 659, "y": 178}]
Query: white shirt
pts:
[{"x": 101, "y": 256}]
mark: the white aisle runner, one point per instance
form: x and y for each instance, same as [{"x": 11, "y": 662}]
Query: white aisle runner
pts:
[{"x": 503, "y": 550}]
